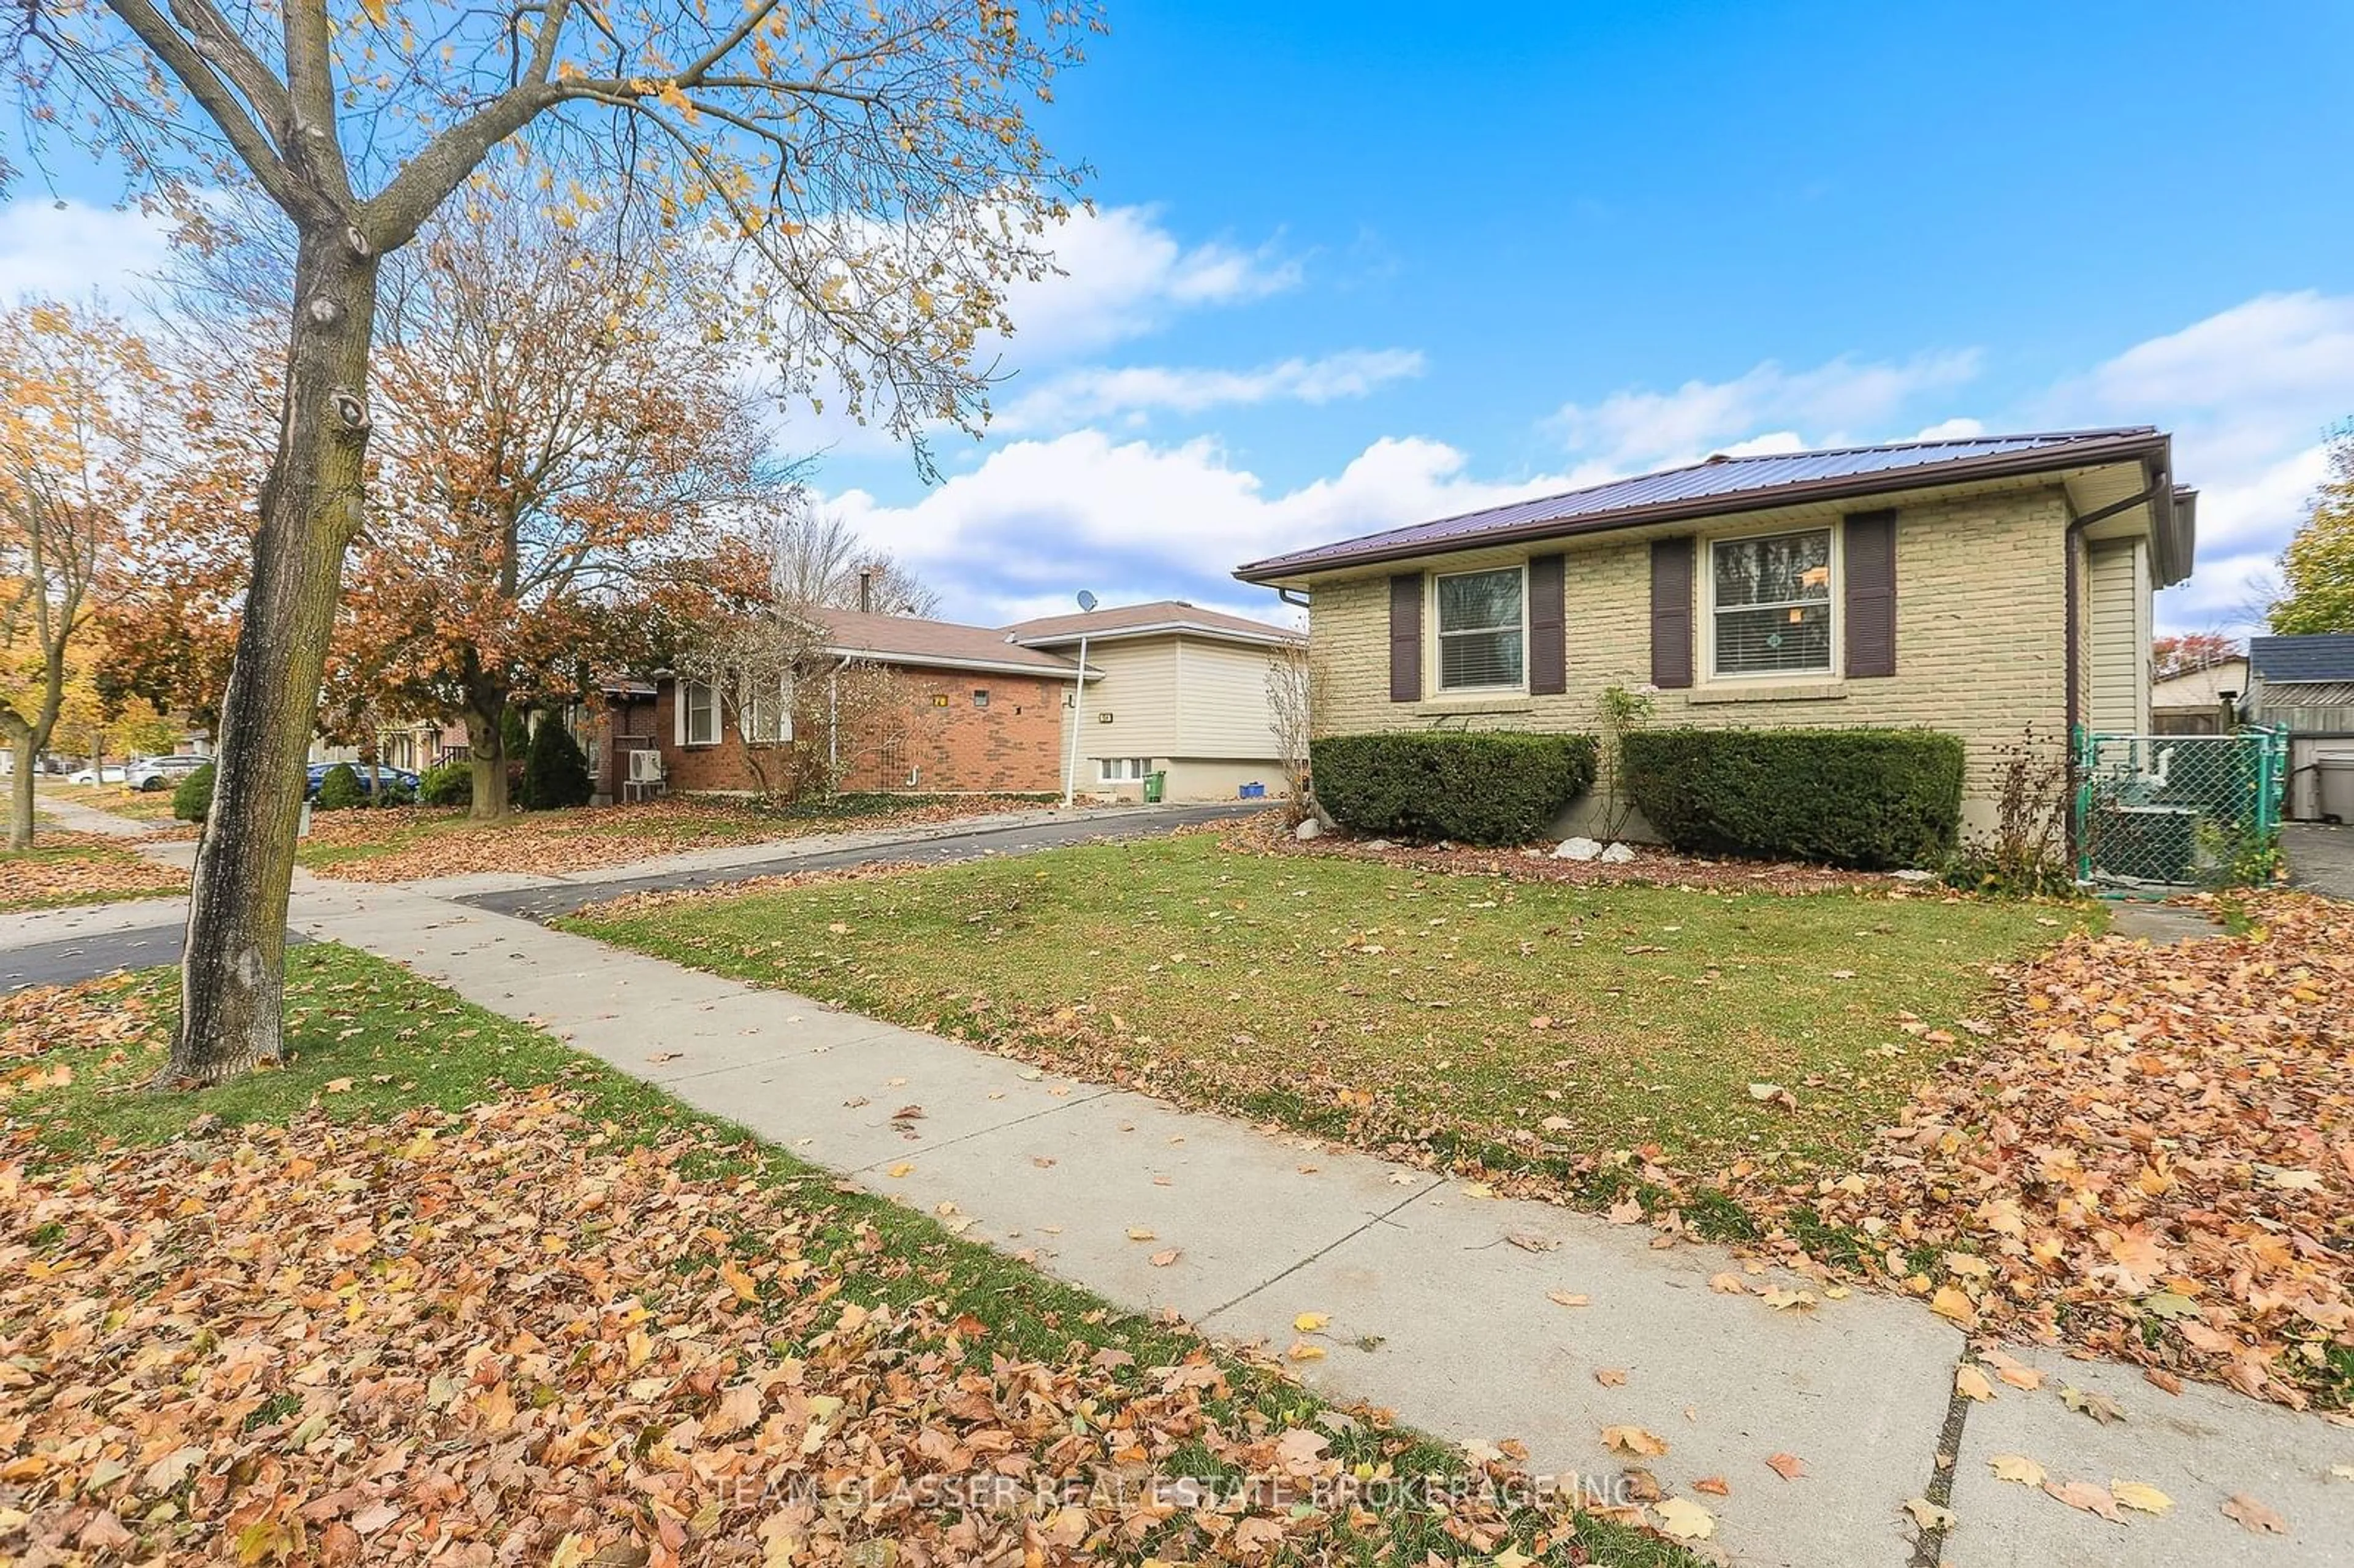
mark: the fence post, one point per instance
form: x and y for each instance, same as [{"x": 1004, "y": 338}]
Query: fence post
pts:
[{"x": 2080, "y": 745}]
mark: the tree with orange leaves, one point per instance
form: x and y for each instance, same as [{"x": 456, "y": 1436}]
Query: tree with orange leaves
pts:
[
  {"x": 561, "y": 443},
  {"x": 80, "y": 401}
]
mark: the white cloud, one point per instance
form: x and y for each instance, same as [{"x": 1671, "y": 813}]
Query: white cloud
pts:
[
  {"x": 1950, "y": 431},
  {"x": 1122, "y": 274},
  {"x": 1040, "y": 519},
  {"x": 2250, "y": 392},
  {"x": 2275, "y": 354},
  {"x": 1637, "y": 428},
  {"x": 71, "y": 249},
  {"x": 1101, "y": 392}
]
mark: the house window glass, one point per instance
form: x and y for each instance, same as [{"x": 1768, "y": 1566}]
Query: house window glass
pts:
[
  {"x": 1772, "y": 601},
  {"x": 702, "y": 713},
  {"x": 1479, "y": 630},
  {"x": 1123, "y": 770},
  {"x": 980, "y": 696},
  {"x": 767, "y": 711}
]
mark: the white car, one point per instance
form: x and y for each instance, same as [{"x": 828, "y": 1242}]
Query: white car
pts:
[
  {"x": 113, "y": 772},
  {"x": 161, "y": 772}
]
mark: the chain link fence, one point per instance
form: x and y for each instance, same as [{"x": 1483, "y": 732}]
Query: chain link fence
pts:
[{"x": 2165, "y": 811}]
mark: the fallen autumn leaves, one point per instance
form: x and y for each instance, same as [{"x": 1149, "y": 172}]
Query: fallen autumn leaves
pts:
[
  {"x": 507, "y": 1334},
  {"x": 2153, "y": 1159},
  {"x": 82, "y": 868}
]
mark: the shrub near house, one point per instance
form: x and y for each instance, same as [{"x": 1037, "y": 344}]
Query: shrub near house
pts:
[
  {"x": 1870, "y": 797},
  {"x": 1482, "y": 788},
  {"x": 193, "y": 799}
]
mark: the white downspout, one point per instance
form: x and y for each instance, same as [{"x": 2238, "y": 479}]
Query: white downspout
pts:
[{"x": 833, "y": 723}]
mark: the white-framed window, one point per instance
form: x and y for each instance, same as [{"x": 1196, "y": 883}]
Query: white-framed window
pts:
[
  {"x": 1123, "y": 770},
  {"x": 1770, "y": 604},
  {"x": 698, "y": 714},
  {"x": 765, "y": 711},
  {"x": 1481, "y": 630}
]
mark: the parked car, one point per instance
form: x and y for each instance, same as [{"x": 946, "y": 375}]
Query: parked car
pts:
[
  {"x": 392, "y": 777},
  {"x": 161, "y": 772},
  {"x": 111, "y": 771}
]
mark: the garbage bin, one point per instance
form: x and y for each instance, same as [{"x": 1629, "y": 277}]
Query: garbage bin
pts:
[
  {"x": 2334, "y": 789},
  {"x": 1154, "y": 782}
]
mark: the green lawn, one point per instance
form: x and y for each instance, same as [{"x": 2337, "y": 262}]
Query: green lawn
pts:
[
  {"x": 371, "y": 1044},
  {"x": 1537, "y": 1029}
]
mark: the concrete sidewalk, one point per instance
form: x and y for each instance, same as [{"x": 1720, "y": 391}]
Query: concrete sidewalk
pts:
[
  {"x": 74, "y": 817},
  {"x": 1441, "y": 1302}
]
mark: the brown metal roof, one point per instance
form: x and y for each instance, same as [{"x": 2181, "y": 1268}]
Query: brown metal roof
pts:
[
  {"x": 1172, "y": 615},
  {"x": 910, "y": 640},
  {"x": 1724, "y": 484}
]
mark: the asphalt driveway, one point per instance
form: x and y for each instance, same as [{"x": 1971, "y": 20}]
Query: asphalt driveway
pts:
[{"x": 2320, "y": 858}]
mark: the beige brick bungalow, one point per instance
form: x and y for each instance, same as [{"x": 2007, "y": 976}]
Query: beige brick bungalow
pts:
[{"x": 1975, "y": 585}]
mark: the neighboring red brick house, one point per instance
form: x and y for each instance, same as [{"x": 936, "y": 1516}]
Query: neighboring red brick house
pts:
[{"x": 904, "y": 703}]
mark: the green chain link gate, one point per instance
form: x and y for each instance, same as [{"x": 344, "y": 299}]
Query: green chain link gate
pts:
[{"x": 2158, "y": 812}]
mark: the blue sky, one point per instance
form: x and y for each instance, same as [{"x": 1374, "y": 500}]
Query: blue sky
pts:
[{"x": 1352, "y": 266}]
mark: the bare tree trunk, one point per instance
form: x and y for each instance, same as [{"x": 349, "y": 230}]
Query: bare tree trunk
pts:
[
  {"x": 20, "y": 784},
  {"x": 486, "y": 747},
  {"x": 232, "y": 979}
]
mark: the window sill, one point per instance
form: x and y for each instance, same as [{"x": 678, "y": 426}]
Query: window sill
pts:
[
  {"x": 1475, "y": 703},
  {"x": 1823, "y": 691}
]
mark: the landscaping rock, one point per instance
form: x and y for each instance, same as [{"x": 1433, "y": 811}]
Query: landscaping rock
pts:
[
  {"x": 1914, "y": 874},
  {"x": 1577, "y": 849},
  {"x": 1615, "y": 854},
  {"x": 1381, "y": 844},
  {"x": 1308, "y": 828}
]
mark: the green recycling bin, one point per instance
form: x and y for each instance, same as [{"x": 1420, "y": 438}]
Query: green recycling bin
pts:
[{"x": 1154, "y": 782}]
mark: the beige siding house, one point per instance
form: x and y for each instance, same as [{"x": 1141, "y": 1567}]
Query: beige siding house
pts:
[
  {"x": 1173, "y": 689},
  {"x": 2193, "y": 702},
  {"x": 1977, "y": 587}
]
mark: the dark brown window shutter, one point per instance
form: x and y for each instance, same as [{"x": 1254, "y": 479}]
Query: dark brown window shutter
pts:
[
  {"x": 1871, "y": 564},
  {"x": 1672, "y": 613},
  {"x": 1405, "y": 637},
  {"x": 1548, "y": 650}
]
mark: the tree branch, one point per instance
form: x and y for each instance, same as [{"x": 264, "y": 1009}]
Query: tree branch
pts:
[
  {"x": 215, "y": 92},
  {"x": 393, "y": 215}
]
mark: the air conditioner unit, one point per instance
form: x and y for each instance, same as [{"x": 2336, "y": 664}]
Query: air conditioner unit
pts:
[{"x": 645, "y": 767}]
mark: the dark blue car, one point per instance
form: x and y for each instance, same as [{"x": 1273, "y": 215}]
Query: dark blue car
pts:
[{"x": 392, "y": 777}]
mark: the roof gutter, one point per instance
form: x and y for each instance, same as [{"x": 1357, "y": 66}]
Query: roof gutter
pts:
[
  {"x": 1274, "y": 636},
  {"x": 949, "y": 661},
  {"x": 2004, "y": 465}
]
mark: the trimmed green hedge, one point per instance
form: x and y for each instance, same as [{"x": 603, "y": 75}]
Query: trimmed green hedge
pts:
[
  {"x": 446, "y": 784},
  {"x": 1484, "y": 786},
  {"x": 340, "y": 790},
  {"x": 194, "y": 796},
  {"x": 1875, "y": 799}
]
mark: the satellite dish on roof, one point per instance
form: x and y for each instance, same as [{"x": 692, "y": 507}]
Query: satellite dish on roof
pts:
[{"x": 1087, "y": 599}]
